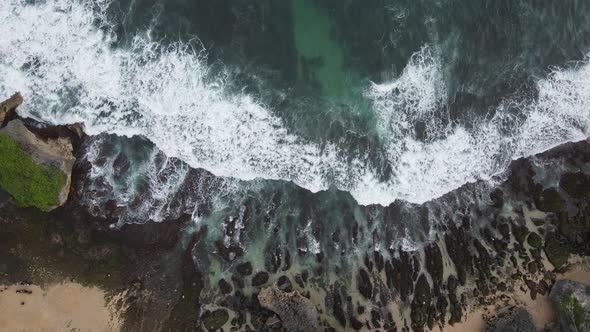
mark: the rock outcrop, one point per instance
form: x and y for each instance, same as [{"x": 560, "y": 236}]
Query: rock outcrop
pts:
[
  {"x": 297, "y": 312},
  {"x": 8, "y": 107},
  {"x": 34, "y": 169},
  {"x": 571, "y": 301},
  {"x": 51, "y": 154},
  {"x": 518, "y": 320}
]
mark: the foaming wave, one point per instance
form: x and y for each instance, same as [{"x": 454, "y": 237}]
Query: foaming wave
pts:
[
  {"x": 54, "y": 53},
  {"x": 59, "y": 54},
  {"x": 452, "y": 155}
]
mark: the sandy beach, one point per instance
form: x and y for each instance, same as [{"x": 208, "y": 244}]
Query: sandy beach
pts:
[{"x": 60, "y": 307}]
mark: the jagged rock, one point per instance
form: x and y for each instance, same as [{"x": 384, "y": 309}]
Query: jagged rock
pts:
[
  {"x": 518, "y": 320},
  {"x": 421, "y": 302},
  {"x": 7, "y": 108},
  {"x": 571, "y": 301},
  {"x": 56, "y": 154},
  {"x": 364, "y": 284},
  {"x": 337, "y": 310},
  {"x": 296, "y": 312},
  {"x": 434, "y": 266}
]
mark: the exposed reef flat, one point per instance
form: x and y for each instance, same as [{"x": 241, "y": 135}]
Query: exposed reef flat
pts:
[{"x": 481, "y": 247}]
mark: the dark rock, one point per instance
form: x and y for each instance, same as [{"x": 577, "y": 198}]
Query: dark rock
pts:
[
  {"x": 244, "y": 269},
  {"x": 287, "y": 261},
  {"x": 299, "y": 281},
  {"x": 224, "y": 286},
  {"x": 576, "y": 184},
  {"x": 376, "y": 319},
  {"x": 364, "y": 284},
  {"x": 214, "y": 320},
  {"x": 399, "y": 275},
  {"x": 455, "y": 307},
  {"x": 571, "y": 300},
  {"x": 497, "y": 197},
  {"x": 534, "y": 240},
  {"x": 550, "y": 201},
  {"x": 518, "y": 320},
  {"x": 238, "y": 281},
  {"x": 285, "y": 284},
  {"x": 434, "y": 266},
  {"x": 557, "y": 250},
  {"x": 360, "y": 309},
  {"x": 337, "y": 310},
  {"x": 260, "y": 278},
  {"x": 355, "y": 323},
  {"x": 379, "y": 261},
  {"x": 421, "y": 302},
  {"x": 458, "y": 249}
]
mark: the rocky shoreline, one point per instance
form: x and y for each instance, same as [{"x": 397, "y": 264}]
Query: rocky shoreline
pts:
[{"x": 484, "y": 247}]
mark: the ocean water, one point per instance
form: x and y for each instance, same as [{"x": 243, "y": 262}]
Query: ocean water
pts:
[{"x": 205, "y": 106}]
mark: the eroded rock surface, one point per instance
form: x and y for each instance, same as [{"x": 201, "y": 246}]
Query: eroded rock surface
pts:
[{"x": 297, "y": 312}]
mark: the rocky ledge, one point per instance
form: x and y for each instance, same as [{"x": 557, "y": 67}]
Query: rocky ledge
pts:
[{"x": 36, "y": 163}]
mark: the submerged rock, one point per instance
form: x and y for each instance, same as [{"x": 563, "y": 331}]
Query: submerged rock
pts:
[
  {"x": 214, "y": 320},
  {"x": 260, "y": 279},
  {"x": 297, "y": 312},
  {"x": 571, "y": 300},
  {"x": 518, "y": 320},
  {"x": 364, "y": 284},
  {"x": 244, "y": 269}
]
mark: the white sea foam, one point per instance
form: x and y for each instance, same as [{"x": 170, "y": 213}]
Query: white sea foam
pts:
[{"x": 57, "y": 56}]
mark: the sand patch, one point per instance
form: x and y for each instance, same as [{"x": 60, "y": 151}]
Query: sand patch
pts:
[{"x": 61, "y": 307}]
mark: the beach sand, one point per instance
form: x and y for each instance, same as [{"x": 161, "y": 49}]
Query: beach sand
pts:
[{"x": 60, "y": 307}]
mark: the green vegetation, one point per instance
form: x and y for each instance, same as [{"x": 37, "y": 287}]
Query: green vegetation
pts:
[
  {"x": 574, "y": 312},
  {"x": 535, "y": 241},
  {"x": 557, "y": 250},
  {"x": 550, "y": 201},
  {"x": 576, "y": 184},
  {"x": 28, "y": 183}
]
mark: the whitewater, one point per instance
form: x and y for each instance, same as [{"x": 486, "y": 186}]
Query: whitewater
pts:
[{"x": 59, "y": 54}]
